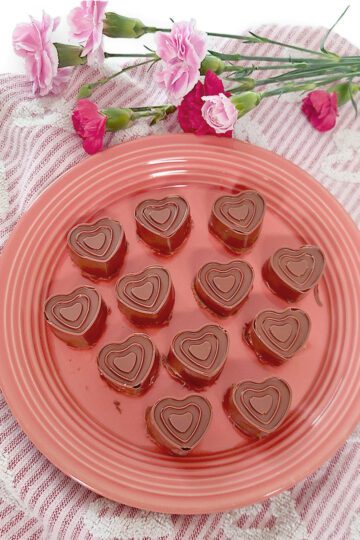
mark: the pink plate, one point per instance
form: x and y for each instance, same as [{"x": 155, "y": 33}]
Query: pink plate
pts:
[{"x": 97, "y": 435}]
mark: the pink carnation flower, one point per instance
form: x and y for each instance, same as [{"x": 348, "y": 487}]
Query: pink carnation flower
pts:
[
  {"x": 86, "y": 26},
  {"x": 320, "y": 108},
  {"x": 182, "y": 51},
  {"x": 90, "y": 124},
  {"x": 219, "y": 113},
  {"x": 32, "y": 41},
  {"x": 190, "y": 111}
]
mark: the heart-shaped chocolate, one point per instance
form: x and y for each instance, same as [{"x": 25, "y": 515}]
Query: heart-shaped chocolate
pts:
[
  {"x": 277, "y": 335},
  {"x": 78, "y": 318},
  {"x": 291, "y": 273},
  {"x": 163, "y": 224},
  {"x": 98, "y": 248},
  {"x": 147, "y": 297},
  {"x": 236, "y": 219},
  {"x": 178, "y": 425},
  {"x": 258, "y": 408},
  {"x": 130, "y": 366},
  {"x": 223, "y": 287},
  {"x": 197, "y": 358}
]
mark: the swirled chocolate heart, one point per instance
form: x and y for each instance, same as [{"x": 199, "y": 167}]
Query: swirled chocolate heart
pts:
[
  {"x": 197, "y": 358},
  {"x": 223, "y": 287},
  {"x": 258, "y": 408},
  {"x": 78, "y": 318},
  {"x": 277, "y": 335},
  {"x": 163, "y": 224},
  {"x": 147, "y": 297},
  {"x": 178, "y": 425},
  {"x": 236, "y": 219},
  {"x": 130, "y": 366},
  {"x": 98, "y": 248},
  {"x": 291, "y": 273}
]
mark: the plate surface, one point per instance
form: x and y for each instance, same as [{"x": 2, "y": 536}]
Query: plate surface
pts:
[{"x": 97, "y": 435}]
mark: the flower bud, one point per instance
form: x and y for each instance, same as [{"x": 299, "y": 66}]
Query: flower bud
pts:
[
  {"x": 246, "y": 84},
  {"x": 69, "y": 55},
  {"x": 211, "y": 63},
  {"x": 344, "y": 91},
  {"x": 245, "y": 102},
  {"x": 85, "y": 91},
  {"x": 117, "y": 118},
  {"x": 117, "y": 26}
]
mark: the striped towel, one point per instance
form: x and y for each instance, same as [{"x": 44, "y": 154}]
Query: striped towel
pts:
[{"x": 37, "y": 144}]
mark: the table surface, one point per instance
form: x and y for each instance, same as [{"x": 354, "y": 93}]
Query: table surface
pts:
[{"x": 233, "y": 19}]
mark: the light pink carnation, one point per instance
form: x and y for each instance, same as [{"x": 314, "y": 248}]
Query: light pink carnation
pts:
[
  {"x": 182, "y": 51},
  {"x": 86, "y": 26},
  {"x": 32, "y": 41},
  {"x": 61, "y": 80},
  {"x": 219, "y": 113}
]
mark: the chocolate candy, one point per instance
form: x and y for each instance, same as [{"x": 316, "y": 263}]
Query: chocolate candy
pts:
[
  {"x": 277, "y": 335},
  {"x": 291, "y": 273},
  {"x": 236, "y": 219},
  {"x": 223, "y": 287},
  {"x": 130, "y": 366},
  {"x": 98, "y": 248},
  {"x": 258, "y": 408},
  {"x": 197, "y": 358},
  {"x": 78, "y": 318},
  {"x": 178, "y": 425},
  {"x": 146, "y": 298},
  {"x": 163, "y": 224}
]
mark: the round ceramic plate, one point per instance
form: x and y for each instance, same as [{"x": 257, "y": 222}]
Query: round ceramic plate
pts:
[{"x": 97, "y": 435}]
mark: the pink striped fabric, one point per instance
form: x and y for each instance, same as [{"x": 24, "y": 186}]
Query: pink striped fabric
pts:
[{"x": 37, "y": 144}]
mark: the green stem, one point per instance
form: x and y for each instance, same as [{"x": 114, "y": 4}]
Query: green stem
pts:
[
  {"x": 309, "y": 85},
  {"x": 100, "y": 82},
  {"x": 280, "y": 91},
  {"x": 350, "y": 57},
  {"x": 245, "y": 39},
  {"x": 143, "y": 114},
  {"x": 291, "y": 76},
  {"x": 132, "y": 55},
  {"x": 127, "y": 68},
  {"x": 260, "y": 39},
  {"x": 263, "y": 68},
  {"x": 299, "y": 66},
  {"x": 153, "y": 29},
  {"x": 148, "y": 107},
  {"x": 288, "y": 59}
]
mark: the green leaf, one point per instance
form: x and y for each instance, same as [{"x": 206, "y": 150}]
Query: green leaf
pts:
[
  {"x": 224, "y": 56},
  {"x": 353, "y": 102},
  {"x": 85, "y": 91},
  {"x": 322, "y": 44},
  {"x": 151, "y": 65},
  {"x": 253, "y": 38},
  {"x": 239, "y": 75},
  {"x": 256, "y": 38},
  {"x": 69, "y": 55}
]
